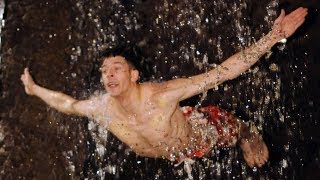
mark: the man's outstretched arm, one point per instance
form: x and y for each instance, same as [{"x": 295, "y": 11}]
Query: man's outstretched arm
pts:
[
  {"x": 284, "y": 26},
  {"x": 57, "y": 100}
]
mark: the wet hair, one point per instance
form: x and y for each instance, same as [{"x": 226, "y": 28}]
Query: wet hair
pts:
[{"x": 134, "y": 57}]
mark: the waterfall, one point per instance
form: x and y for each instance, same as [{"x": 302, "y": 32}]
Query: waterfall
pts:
[{"x": 60, "y": 42}]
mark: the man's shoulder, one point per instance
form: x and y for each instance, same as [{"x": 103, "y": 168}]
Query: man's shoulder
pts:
[
  {"x": 154, "y": 86},
  {"x": 99, "y": 96},
  {"x": 156, "y": 90}
]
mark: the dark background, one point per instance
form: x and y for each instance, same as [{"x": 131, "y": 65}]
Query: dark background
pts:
[{"x": 59, "y": 41}]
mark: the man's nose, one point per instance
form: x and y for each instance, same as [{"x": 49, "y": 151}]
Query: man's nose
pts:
[{"x": 110, "y": 73}]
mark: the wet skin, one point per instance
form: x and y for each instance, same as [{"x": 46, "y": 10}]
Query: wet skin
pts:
[
  {"x": 141, "y": 114},
  {"x": 147, "y": 116}
]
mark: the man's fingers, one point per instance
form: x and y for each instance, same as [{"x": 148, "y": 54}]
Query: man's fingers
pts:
[
  {"x": 26, "y": 70},
  {"x": 280, "y": 18},
  {"x": 300, "y": 14},
  {"x": 297, "y": 13},
  {"x": 291, "y": 15},
  {"x": 299, "y": 20},
  {"x": 299, "y": 24},
  {"x": 283, "y": 13}
]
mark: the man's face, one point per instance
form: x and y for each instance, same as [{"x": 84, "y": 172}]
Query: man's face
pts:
[{"x": 116, "y": 75}]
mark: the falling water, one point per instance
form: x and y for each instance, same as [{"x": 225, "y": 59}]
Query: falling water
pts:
[{"x": 179, "y": 39}]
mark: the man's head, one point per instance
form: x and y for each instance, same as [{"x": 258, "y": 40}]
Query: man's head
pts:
[
  {"x": 120, "y": 70},
  {"x": 118, "y": 75}
]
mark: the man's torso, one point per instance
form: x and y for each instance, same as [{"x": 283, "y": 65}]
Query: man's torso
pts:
[{"x": 155, "y": 127}]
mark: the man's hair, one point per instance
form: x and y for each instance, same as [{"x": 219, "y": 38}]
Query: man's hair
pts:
[{"x": 134, "y": 58}]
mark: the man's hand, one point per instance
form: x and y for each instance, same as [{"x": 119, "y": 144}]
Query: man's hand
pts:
[
  {"x": 27, "y": 82},
  {"x": 285, "y": 25},
  {"x": 60, "y": 101}
]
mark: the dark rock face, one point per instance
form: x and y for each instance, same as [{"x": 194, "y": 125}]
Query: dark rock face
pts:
[{"x": 60, "y": 42}]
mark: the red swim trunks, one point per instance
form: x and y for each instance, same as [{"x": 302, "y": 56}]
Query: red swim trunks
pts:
[{"x": 217, "y": 127}]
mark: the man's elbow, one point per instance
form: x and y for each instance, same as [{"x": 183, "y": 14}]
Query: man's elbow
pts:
[{"x": 68, "y": 107}]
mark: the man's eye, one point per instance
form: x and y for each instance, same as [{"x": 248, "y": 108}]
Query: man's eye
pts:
[{"x": 103, "y": 70}]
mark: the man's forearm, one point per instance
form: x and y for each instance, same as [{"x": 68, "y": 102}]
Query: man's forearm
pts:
[
  {"x": 57, "y": 100},
  {"x": 233, "y": 66},
  {"x": 242, "y": 61}
]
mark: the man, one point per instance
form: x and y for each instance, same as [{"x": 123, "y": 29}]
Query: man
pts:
[{"x": 147, "y": 116}]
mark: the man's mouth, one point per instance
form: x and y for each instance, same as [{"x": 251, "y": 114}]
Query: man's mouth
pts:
[{"x": 112, "y": 84}]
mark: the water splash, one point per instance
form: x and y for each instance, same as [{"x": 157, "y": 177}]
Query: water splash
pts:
[
  {"x": 183, "y": 38},
  {"x": 196, "y": 18}
]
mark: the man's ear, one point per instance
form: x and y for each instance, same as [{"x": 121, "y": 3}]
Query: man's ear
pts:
[{"x": 134, "y": 75}]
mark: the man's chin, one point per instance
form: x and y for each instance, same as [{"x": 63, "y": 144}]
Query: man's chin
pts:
[{"x": 113, "y": 94}]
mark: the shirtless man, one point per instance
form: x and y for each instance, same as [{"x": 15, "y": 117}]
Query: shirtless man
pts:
[{"x": 147, "y": 116}]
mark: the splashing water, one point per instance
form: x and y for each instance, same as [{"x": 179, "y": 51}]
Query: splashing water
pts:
[
  {"x": 198, "y": 19},
  {"x": 184, "y": 38},
  {"x": 261, "y": 97}
]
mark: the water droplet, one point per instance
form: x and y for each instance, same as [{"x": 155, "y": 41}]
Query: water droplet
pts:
[
  {"x": 173, "y": 69},
  {"x": 284, "y": 163},
  {"x": 254, "y": 169}
]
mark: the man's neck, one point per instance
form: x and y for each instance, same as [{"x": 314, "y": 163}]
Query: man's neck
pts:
[{"x": 129, "y": 99}]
